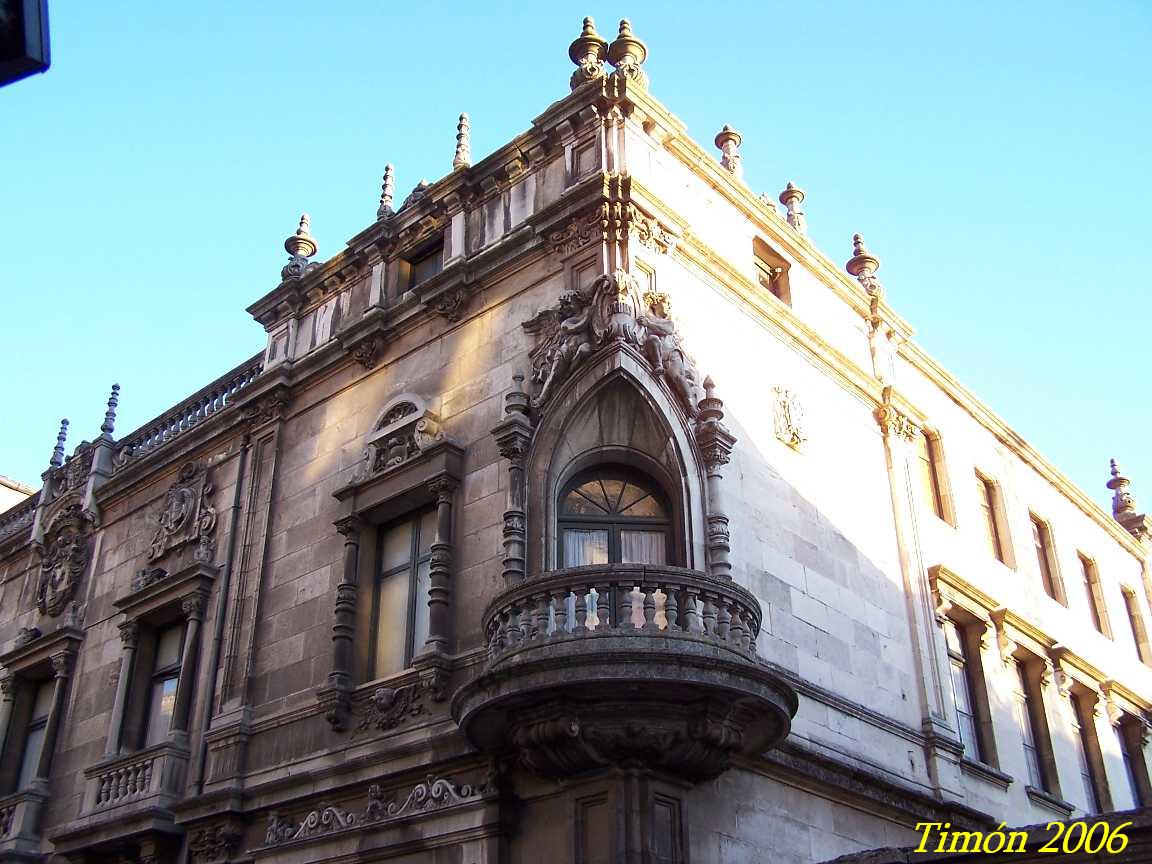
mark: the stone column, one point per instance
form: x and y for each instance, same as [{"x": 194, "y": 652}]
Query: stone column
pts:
[
  {"x": 513, "y": 436},
  {"x": 344, "y": 628},
  {"x": 7, "y": 697},
  {"x": 193, "y": 606},
  {"x": 129, "y": 632},
  {"x": 440, "y": 568},
  {"x": 62, "y": 668},
  {"x": 716, "y": 443}
]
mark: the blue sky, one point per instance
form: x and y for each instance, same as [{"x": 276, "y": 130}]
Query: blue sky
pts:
[{"x": 994, "y": 155}]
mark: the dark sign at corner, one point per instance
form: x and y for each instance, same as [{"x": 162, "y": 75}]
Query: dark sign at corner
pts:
[{"x": 23, "y": 39}]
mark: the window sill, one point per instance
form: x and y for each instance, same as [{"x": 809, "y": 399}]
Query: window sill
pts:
[
  {"x": 1049, "y": 801},
  {"x": 986, "y": 773}
]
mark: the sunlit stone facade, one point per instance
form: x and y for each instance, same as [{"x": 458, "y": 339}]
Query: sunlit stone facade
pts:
[{"x": 580, "y": 509}]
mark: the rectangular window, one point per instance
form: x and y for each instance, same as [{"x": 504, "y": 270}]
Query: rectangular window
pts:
[
  {"x": 401, "y": 608},
  {"x": 965, "y": 689},
  {"x": 1046, "y": 558},
  {"x": 986, "y": 495},
  {"x": 1136, "y": 625},
  {"x": 34, "y": 732},
  {"x": 166, "y": 663},
  {"x": 929, "y": 465},
  {"x": 1088, "y": 755},
  {"x": 426, "y": 263},
  {"x": 771, "y": 271},
  {"x": 1029, "y": 717},
  {"x": 1130, "y": 731},
  {"x": 1097, "y": 611}
]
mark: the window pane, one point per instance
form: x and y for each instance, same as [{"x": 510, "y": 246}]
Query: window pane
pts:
[
  {"x": 577, "y": 504},
  {"x": 646, "y": 506},
  {"x": 928, "y": 478},
  {"x": 169, "y": 643},
  {"x": 43, "y": 701},
  {"x": 396, "y": 546},
  {"x": 613, "y": 489},
  {"x": 642, "y": 547},
  {"x": 420, "y": 622},
  {"x": 988, "y": 504},
  {"x": 33, "y": 743},
  {"x": 583, "y": 547},
  {"x": 427, "y": 531},
  {"x": 160, "y": 710},
  {"x": 392, "y": 623}
]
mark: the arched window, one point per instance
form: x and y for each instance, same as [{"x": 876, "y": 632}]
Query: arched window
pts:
[{"x": 612, "y": 514}]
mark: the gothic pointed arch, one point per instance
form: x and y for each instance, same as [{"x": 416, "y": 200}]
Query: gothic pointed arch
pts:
[{"x": 616, "y": 413}]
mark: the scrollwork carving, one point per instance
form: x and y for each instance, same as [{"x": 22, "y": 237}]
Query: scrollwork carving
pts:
[
  {"x": 64, "y": 556},
  {"x": 186, "y": 516},
  {"x": 387, "y": 708}
]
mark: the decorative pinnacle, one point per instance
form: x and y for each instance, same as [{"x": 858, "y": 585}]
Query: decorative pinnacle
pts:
[
  {"x": 792, "y": 197},
  {"x": 516, "y": 402},
  {"x": 587, "y": 52},
  {"x": 463, "y": 157},
  {"x": 627, "y": 54},
  {"x": 863, "y": 265},
  {"x": 711, "y": 406},
  {"x": 109, "y": 424},
  {"x": 58, "y": 451},
  {"x": 728, "y": 140},
  {"x": 386, "y": 192},
  {"x": 301, "y": 244},
  {"x": 1122, "y": 500}
]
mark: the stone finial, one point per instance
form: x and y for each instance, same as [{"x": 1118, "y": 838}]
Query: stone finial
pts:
[
  {"x": 627, "y": 54},
  {"x": 58, "y": 451},
  {"x": 516, "y": 401},
  {"x": 387, "y": 190},
  {"x": 863, "y": 265},
  {"x": 728, "y": 140},
  {"x": 300, "y": 247},
  {"x": 792, "y": 197},
  {"x": 588, "y": 52},
  {"x": 463, "y": 157},
  {"x": 109, "y": 424},
  {"x": 1122, "y": 500}
]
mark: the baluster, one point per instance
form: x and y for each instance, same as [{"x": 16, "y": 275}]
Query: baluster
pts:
[
  {"x": 671, "y": 608},
  {"x": 751, "y": 631},
  {"x": 709, "y": 615},
  {"x": 525, "y": 622},
  {"x": 603, "y": 619},
  {"x": 692, "y": 610},
  {"x": 624, "y": 606},
  {"x": 512, "y": 635},
  {"x": 560, "y": 605},
  {"x": 539, "y": 616},
  {"x": 724, "y": 617},
  {"x": 649, "y": 607},
  {"x": 736, "y": 631},
  {"x": 580, "y": 610}
]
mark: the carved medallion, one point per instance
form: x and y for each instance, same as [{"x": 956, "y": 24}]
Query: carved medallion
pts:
[{"x": 186, "y": 515}]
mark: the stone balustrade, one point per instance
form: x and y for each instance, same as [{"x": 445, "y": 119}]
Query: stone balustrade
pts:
[
  {"x": 124, "y": 782},
  {"x": 191, "y": 412},
  {"x": 19, "y": 517},
  {"x": 622, "y": 600}
]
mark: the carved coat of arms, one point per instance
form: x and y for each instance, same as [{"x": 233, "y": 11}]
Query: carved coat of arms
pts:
[
  {"x": 63, "y": 558},
  {"x": 186, "y": 515}
]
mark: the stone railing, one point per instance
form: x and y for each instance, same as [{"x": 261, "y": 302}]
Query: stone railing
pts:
[
  {"x": 7, "y": 812},
  {"x": 124, "y": 782},
  {"x": 191, "y": 412},
  {"x": 622, "y": 600},
  {"x": 19, "y": 517}
]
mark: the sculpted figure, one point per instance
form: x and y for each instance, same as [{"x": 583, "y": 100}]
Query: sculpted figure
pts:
[
  {"x": 570, "y": 343},
  {"x": 662, "y": 346}
]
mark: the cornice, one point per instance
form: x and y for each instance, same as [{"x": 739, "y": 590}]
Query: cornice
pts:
[{"x": 984, "y": 415}]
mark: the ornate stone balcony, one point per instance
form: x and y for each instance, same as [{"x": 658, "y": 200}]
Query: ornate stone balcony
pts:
[
  {"x": 624, "y": 666},
  {"x": 155, "y": 775}
]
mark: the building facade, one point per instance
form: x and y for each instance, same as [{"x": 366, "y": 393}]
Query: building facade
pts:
[{"x": 580, "y": 509}]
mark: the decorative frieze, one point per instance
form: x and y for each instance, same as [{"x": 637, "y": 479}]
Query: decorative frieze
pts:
[
  {"x": 431, "y": 794},
  {"x": 389, "y": 707},
  {"x": 186, "y": 516},
  {"x": 580, "y": 230},
  {"x": 214, "y": 844}
]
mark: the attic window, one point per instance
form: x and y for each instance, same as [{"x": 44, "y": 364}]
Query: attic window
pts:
[
  {"x": 426, "y": 262},
  {"x": 771, "y": 271}
]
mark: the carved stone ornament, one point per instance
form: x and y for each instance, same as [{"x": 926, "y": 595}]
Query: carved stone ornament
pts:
[
  {"x": 788, "y": 417},
  {"x": 612, "y": 311},
  {"x": 63, "y": 557},
  {"x": 267, "y": 409},
  {"x": 70, "y": 477},
  {"x": 433, "y": 793},
  {"x": 186, "y": 516},
  {"x": 213, "y": 844},
  {"x": 27, "y": 635},
  {"x": 580, "y": 231},
  {"x": 404, "y": 432},
  {"x": 452, "y": 303},
  {"x": 649, "y": 232},
  {"x": 387, "y": 708}
]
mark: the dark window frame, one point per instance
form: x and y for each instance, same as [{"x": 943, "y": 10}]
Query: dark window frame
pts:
[{"x": 614, "y": 523}]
